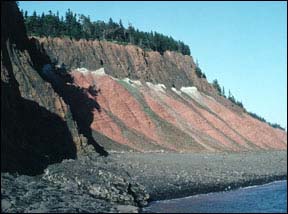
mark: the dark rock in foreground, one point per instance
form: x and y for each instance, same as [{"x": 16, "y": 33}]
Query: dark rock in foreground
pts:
[
  {"x": 114, "y": 183},
  {"x": 72, "y": 186}
]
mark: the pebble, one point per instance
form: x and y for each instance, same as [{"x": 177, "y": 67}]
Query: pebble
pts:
[
  {"x": 119, "y": 183},
  {"x": 127, "y": 209},
  {"x": 5, "y": 204}
]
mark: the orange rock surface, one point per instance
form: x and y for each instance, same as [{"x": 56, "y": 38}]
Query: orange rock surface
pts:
[{"x": 150, "y": 112}]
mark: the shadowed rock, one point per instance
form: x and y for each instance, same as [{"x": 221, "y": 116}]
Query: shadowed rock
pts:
[{"x": 37, "y": 128}]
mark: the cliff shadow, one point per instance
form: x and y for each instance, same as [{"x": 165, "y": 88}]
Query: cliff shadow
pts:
[
  {"x": 82, "y": 108},
  {"x": 31, "y": 136},
  {"x": 81, "y": 105}
]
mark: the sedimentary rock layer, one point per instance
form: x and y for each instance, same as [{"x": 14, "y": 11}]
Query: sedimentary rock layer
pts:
[
  {"x": 60, "y": 95},
  {"x": 146, "y": 116},
  {"x": 37, "y": 127}
]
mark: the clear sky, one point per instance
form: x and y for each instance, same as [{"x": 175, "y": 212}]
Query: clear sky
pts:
[{"x": 242, "y": 44}]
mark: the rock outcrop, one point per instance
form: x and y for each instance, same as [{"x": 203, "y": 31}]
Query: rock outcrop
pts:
[
  {"x": 61, "y": 95},
  {"x": 147, "y": 116},
  {"x": 157, "y": 102},
  {"x": 171, "y": 69},
  {"x": 122, "y": 98},
  {"x": 37, "y": 127},
  {"x": 72, "y": 186}
]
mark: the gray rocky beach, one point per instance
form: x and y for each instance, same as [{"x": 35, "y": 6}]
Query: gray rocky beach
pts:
[{"x": 125, "y": 182}]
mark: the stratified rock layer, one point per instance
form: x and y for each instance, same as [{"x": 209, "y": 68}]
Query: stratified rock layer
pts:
[
  {"x": 37, "y": 127},
  {"x": 154, "y": 102},
  {"x": 124, "y": 98},
  {"x": 171, "y": 69},
  {"x": 146, "y": 116}
]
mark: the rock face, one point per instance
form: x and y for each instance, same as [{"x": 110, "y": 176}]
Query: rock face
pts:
[
  {"x": 154, "y": 102},
  {"x": 171, "y": 69},
  {"x": 37, "y": 127},
  {"x": 123, "y": 98},
  {"x": 146, "y": 116},
  {"x": 73, "y": 186}
]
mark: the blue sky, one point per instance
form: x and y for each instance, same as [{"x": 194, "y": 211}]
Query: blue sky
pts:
[{"x": 242, "y": 44}]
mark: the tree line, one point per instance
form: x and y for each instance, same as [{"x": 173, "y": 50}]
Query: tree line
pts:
[
  {"x": 221, "y": 92},
  {"x": 199, "y": 72},
  {"x": 80, "y": 26},
  {"x": 274, "y": 125}
]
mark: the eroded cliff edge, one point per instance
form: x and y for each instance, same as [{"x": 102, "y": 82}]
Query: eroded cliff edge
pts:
[
  {"x": 37, "y": 127},
  {"x": 60, "y": 95},
  {"x": 49, "y": 114},
  {"x": 154, "y": 102}
]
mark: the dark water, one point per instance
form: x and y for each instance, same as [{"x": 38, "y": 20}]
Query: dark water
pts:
[{"x": 266, "y": 198}]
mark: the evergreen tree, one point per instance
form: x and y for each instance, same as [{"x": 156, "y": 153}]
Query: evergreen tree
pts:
[
  {"x": 199, "y": 71},
  {"x": 54, "y": 26},
  {"x": 223, "y": 91},
  {"x": 131, "y": 34},
  {"x": 217, "y": 86},
  {"x": 121, "y": 32},
  {"x": 87, "y": 27}
]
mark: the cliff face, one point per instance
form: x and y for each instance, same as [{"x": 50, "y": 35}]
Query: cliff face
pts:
[
  {"x": 36, "y": 125},
  {"x": 155, "y": 102},
  {"x": 126, "y": 98},
  {"x": 147, "y": 116},
  {"x": 171, "y": 69}
]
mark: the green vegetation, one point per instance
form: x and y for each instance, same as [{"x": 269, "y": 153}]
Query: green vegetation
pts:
[
  {"x": 257, "y": 117},
  {"x": 233, "y": 100},
  {"x": 274, "y": 125},
  {"x": 198, "y": 71},
  {"x": 277, "y": 126},
  {"x": 221, "y": 92},
  {"x": 217, "y": 86},
  {"x": 79, "y": 26}
]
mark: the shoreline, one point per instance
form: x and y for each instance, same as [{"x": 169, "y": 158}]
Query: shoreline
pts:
[
  {"x": 223, "y": 188},
  {"x": 170, "y": 175},
  {"x": 127, "y": 182},
  {"x": 270, "y": 197}
]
